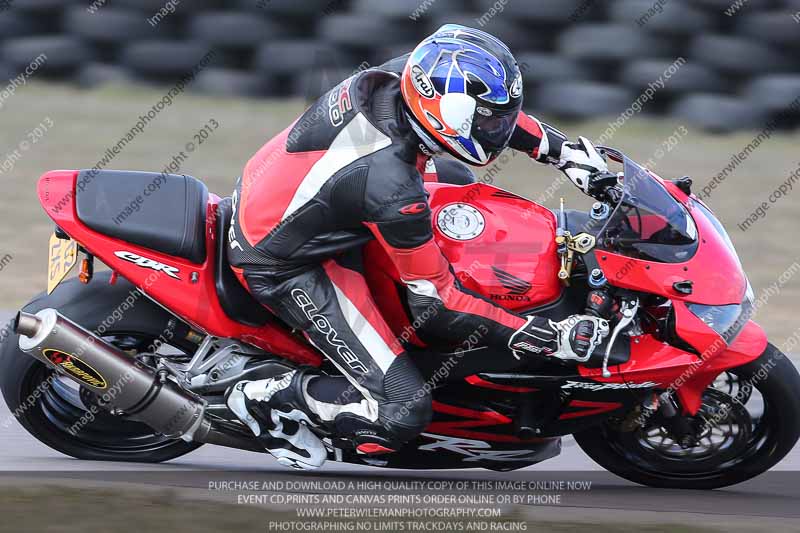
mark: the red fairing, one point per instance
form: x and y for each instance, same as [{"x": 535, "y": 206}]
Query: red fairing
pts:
[
  {"x": 588, "y": 408},
  {"x": 477, "y": 381},
  {"x": 513, "y": 260},
  {"x": 715, "y": 270},
  {"x": 696, "y": 332},
  {"x": 383, "y": 280},
  {"x": 474, "y": 424},
  {"x": 717, "y": 279},
  {"x": 426, "y": 262},
  {"x": 747, "y": 347},
  {"x": 194, "y": 301},
  {"x": 666, "y": 367},
  {"x": 650, "y": 361},
  {"x": 499, "y": 245}
]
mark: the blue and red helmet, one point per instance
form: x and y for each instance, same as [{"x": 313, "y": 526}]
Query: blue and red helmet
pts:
[{"x": 463, "y": 89}]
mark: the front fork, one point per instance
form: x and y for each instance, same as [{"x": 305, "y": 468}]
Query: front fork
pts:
[
  {"x": 677, "y": 406},
  {"x": 663, "y": 409}
]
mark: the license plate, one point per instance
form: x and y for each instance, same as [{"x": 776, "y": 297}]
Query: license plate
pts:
[{"x": 63, "y": 256}]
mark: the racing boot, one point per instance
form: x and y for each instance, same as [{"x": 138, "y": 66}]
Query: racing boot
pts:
[{"x": 276, "y": 412}]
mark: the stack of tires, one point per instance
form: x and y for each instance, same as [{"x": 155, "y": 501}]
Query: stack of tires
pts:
[
  {"x": 29, "y": 35},
  {"x": 716, "y": 64}
]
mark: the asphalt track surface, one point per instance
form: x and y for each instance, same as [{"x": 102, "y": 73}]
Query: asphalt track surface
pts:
[{"x": 774, "y": 496}]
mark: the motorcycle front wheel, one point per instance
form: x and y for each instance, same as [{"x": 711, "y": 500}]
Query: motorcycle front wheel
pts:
[{"x": 742, "y": 431}]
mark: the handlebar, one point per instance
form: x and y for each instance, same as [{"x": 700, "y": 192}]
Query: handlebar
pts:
[{"x": 605, "y": 187}]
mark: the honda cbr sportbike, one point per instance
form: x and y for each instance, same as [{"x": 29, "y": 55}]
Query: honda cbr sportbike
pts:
[{"x": 131, "y": 364}]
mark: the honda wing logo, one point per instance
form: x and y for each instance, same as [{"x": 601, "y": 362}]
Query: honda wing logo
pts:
[
  {"x": 517, "y": 288},
  {"x": 514, "y": 285}
]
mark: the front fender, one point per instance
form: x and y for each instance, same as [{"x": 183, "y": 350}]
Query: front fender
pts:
[{"x": 748, "y": 346}]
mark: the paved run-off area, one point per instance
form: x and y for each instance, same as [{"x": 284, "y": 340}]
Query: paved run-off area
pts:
[{"x": 252, "y": 489}]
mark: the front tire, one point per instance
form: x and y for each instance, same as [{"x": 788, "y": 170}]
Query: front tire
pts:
[
  {"x": 771, "y": 436},
  {"x": 49, "y": 412}
]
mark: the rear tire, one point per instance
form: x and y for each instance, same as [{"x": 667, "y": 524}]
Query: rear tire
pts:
[
  {"x": 45, "y": 416},
  {"x": 780, "y": 390}
]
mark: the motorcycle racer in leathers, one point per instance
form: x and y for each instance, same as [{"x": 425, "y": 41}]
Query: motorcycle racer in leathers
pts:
[{"x": 349, "y": 170}]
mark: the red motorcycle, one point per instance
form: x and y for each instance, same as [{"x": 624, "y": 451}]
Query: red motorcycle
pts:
[{"x": 131, "y": 364}]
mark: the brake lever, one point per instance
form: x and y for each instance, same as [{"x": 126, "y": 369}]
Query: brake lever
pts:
[{"x": 628, "y": 310}]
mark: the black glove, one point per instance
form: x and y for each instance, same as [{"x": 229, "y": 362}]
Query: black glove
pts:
[{"x": 572, "y": 339}]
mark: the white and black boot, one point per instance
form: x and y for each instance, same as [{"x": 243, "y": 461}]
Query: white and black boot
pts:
[{"x": 276, "y": 412}]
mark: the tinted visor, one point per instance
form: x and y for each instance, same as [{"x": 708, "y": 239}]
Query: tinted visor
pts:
[{"x": 494, "y": 132}]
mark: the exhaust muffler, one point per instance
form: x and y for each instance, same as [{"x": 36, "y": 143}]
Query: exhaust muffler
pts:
[{"x": 124, "y": 385}]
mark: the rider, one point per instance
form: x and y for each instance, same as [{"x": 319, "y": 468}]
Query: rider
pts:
[{"x": 348, "y": 171}]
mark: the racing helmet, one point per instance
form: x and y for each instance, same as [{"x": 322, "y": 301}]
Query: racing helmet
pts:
[{"x": 463, "y": 91}]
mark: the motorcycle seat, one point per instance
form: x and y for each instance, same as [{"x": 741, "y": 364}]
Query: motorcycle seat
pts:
[
  {"x": 234, "y": 299},
  {"x": 163, "y": 212}
]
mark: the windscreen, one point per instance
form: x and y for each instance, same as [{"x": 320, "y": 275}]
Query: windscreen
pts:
[{"x": 648, "y": 223}]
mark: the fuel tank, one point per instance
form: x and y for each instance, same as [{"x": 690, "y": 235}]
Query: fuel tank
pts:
[{"x": 501, "y": 245}]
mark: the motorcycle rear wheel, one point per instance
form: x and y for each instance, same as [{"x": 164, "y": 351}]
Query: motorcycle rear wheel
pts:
[
  {"x": 49, "y": 412},
  {"x": 759, "y": 447}
]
